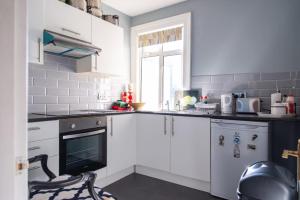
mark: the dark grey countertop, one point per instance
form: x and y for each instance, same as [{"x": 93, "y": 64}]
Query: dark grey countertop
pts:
[{"x": 242, "y": 117}]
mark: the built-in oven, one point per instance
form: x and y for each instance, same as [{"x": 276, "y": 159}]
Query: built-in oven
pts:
[{"x": 83, "y": 145}]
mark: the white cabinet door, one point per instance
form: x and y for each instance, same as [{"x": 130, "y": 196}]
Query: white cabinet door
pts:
[
  {"x": 190, "y": 147},
  {"x": 110, "y": 38},
  {"x": 64, "y": 19},
  {"x": 121, "y": 142},
  {"x": 35, "y": 31},
  {"x": 153, "y": 141}
]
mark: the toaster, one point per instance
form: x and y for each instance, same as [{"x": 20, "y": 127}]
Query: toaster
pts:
[{"x": 248, "y": 105}]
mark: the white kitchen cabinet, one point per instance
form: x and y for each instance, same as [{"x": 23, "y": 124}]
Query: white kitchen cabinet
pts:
[
  {"x": 190, "y": 147},
  {"x": 110, "y": 38},
  {"x": 43, "y": 138},
  {"x": 35, "y": 31},
  {"x": 153, "y": 141},
  {"x": 121, "y": 142},
  {"x": 67, "y": 20}
]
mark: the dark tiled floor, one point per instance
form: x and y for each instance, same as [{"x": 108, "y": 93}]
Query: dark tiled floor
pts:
[{"x": 138, "y": 187}]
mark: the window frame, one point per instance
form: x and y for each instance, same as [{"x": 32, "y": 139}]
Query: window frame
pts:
[
  {"x": 161, "y": 54},
  {"x": 183, "y": 20}
]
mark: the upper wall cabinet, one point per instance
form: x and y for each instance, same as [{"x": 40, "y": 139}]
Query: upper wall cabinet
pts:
[
  {"x": 67, "y": 20},
  {"x": 110, "y": 39},
  {"x": 35, "y": 28}
]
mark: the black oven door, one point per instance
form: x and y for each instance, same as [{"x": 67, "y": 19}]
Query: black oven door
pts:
[{"x": 82, "y": 151}]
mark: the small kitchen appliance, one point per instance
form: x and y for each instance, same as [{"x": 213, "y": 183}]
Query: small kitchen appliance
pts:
[
  {"x": 248, "y": 105},
  {"x": 234, "y": 146},
  {"x": 227, "y": 103}
]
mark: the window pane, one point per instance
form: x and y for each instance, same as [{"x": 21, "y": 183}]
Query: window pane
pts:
[
  {"x": 173, "y": 46},
  {"x": 150, "y": 82},
  {"x": 152, "y": 49},
  {"x": 172, "y": 78}
]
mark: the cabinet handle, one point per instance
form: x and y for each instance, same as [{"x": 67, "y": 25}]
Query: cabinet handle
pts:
[
  {"x": 111, "y": 126},
  {"x": 33, "y": 168},
  {"x": 165, "y": 125},
  {"x": 34, "y": 148},
  {"x": 70, "y": 31},
  {"x": 173, "y": 131},
  {"x": 40, "y": 50},
  {"x": 34, "y": 128}
]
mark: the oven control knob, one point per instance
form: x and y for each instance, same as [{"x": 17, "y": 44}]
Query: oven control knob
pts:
[
  {"x": 72, "y": 126},
  {"x": 98, "y": 123}
]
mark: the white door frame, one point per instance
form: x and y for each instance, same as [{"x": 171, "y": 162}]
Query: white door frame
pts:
[{"x": 13, "y": 100}]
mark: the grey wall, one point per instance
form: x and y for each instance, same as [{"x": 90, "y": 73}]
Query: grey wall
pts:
[{"x": 234, "y": 36}]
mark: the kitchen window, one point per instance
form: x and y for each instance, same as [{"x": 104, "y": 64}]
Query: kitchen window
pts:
[
  {"x": 161, "y": 61},
  {"x": 161, "y": 69}
]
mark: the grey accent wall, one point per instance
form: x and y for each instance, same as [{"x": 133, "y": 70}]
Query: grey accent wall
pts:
[{"x": 234, "y": 36}]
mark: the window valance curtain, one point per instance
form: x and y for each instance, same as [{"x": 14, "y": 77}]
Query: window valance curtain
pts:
[{"x": 160, "y": 37}]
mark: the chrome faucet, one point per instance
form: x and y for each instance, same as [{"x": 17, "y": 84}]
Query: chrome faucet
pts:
[
  {"x": 168, "y": 105},
  {"x": 178, "y": 105}
]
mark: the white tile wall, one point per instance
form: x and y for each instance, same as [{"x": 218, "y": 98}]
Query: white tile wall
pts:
[{"x": 55, "y": 86}]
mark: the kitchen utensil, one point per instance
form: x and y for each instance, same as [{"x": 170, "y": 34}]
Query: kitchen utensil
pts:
[
  {"x": 227, "y": 103},
  {"x": 248, "y": 105},
  {"x": 80, "y": 4},
  {"x": 114, "y": 19},
  {"x": 138, "y": 106},
  {"x": 279, "y": 109},
  {"x": 94, "y": 3},
  {"x": 206, "y": 108},
  {"x": 276, "y": 97}
]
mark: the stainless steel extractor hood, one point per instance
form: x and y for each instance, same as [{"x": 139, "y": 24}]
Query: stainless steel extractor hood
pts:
[{"x": 62, "y": 45}]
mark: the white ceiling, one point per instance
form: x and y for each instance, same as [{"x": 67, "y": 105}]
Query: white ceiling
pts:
[{"x": 137, "y": 7}]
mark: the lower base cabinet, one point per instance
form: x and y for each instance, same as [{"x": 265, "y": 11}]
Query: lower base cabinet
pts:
[
  {"x": 153, "y": 141},
  {"x": 121, "y": 142},
  {"x": 190, "y": 147},
  {"x": 175, "y": 144}
]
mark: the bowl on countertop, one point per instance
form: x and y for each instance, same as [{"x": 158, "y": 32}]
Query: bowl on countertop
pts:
[{"x": 138, "y": 106}]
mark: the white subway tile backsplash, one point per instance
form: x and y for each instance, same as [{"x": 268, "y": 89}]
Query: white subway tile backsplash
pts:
[
  {"x": 78, "y": 107},
  {"x": 57, "y": 75},
  {"x": 64, "y": 108},
  {"x": 30, "y": 99},
  {"x": 87, "y": 85},
  {"x": 276, "y": 76},
  {"x": 67, "y": 84},
  {"x": 262, "y": 85},
  {"x": 222, "y": 78},
  {"x": 57, "y": 92},
  {"x": 45, "y": 83},
  {"x": 68, "y": 100},
  {"x": 45, "y": 100},
  {"x": 37, "y": 108},
  {"x": 30, "y": 82},
  {"x": 78, "y": 77},
  {"x": 37, "y": 73},
  {"x": 88, "y": 100},
  {"x": 78, "y": 92},
  {"x": 247, "y": 77},
  {"x": 37, "y": 91}
]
